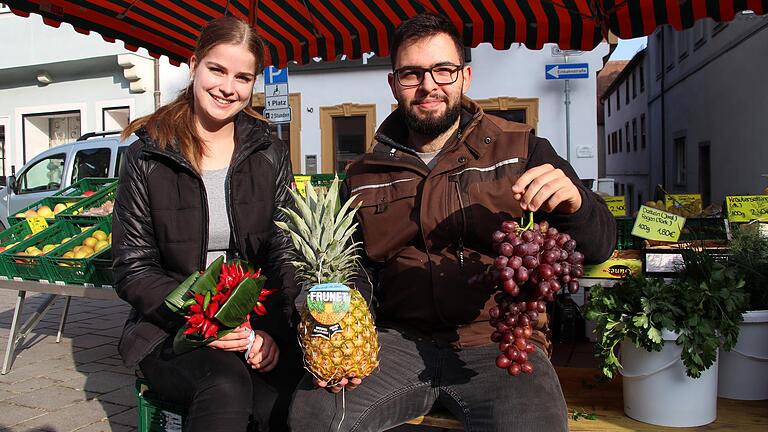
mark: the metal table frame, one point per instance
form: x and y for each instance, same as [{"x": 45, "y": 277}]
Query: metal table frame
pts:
[{"x": 19, "y": 333}]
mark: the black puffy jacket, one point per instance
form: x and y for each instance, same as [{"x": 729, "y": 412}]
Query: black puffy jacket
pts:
[{"x": 160, "y": 231}]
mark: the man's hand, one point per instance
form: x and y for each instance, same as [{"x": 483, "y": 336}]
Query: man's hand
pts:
[
  {"x": 348, "y": 383},
  {"x": 547, "y": 188},
  {"x": 236, "y": 340},
  {"x": 264, "y": 352}
]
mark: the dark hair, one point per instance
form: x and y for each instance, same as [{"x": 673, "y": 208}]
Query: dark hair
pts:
[
  {"x": 174, "y": 124},
  {"x": 423, "y": 26}
]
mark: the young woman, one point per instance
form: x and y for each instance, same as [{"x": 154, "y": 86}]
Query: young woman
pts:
[{"x": 205, "y": 179}]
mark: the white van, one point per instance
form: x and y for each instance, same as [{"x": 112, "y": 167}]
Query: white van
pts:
[{"x": 95, "y": 154}]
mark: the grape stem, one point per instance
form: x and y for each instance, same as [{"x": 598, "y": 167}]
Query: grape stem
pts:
[{"x": 525, "y": 226}]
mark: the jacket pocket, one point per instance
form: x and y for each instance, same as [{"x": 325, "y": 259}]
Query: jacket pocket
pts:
[
  {"x": 486, "y": 196},
  {"x": 388, "y": 215}
]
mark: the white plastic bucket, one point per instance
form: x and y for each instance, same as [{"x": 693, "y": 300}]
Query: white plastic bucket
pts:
[
  {"x": 658, "y": 391},
  {"x": 744, "y": 369}
]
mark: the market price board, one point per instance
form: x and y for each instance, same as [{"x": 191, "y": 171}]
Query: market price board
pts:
[
  {"x": 617, "y": 205},
  {"x": 746, "y": 208},
  {"x": 654, "y": 224}
]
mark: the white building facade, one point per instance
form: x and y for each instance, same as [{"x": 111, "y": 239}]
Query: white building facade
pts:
[{"x": 706, "y": 104}]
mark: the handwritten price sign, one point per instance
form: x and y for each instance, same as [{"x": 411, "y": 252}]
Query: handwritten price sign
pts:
[
  {"x": 747, "y": 208},
  {"x": 617, "y": 205},
  {"x": 37, "y": 224},
  {"x": 679, "y": 200},
  {"x": 301, "y": 183},
  {"x": 653, "y": 224}
]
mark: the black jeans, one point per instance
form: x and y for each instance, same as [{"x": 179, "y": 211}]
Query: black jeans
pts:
[
  {"x": 414, "y": 375},
  {"x": 221, "y": 391}
]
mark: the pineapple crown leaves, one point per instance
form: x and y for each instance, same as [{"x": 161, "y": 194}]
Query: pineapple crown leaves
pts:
[{"x": 321, "y": 230}]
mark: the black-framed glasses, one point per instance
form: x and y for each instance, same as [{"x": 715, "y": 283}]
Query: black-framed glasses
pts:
[{"x": 441, "y": 74}]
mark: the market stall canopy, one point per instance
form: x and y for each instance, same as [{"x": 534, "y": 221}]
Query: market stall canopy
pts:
[{"x": 300, "y": 30}]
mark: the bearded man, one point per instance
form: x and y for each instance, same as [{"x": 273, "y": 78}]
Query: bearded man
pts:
[{"x": 438, "y": 181}]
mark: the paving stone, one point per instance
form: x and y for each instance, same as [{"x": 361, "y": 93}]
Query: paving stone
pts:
[
  {"x": 93, "y": 354},
  {"x": 6, "y": 393},
  {"x": 112, "y": 361},
  {"x": 49, "y": 398},
  {"x": 72, "y": 417},
  {"x": 100, "y": 382},
  {"x": 90, "y": 340},
  {"x": 125, "y": 396},
  {"x": 32, "y": 384},
  {"x": 13, "y": 414},
  {"x": 105, "y": 426},
  {"x": 127, "y": 418},
  {"x": 93, "y": 367},
  {"x": 64, "y": 374}
]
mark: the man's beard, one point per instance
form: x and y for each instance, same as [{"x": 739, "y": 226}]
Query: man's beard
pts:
[{"x": 430, "y": 126}]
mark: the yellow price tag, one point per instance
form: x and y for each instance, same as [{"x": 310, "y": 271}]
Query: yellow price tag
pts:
[
  {"x": 617, "y": 205},
  {"x": 653, "y": 224},
  {"x": 679, "y": 200},
  {"x": 747, "y": 208},
  {"x": 301, "y": 183},
  {"x": 37, "y": 224}
]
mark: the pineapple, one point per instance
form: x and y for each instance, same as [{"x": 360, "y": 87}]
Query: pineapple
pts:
[{"x": 338, "y": 341}]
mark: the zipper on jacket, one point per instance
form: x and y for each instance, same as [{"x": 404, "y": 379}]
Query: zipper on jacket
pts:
[
  {"x": 460, "y": 243},
  {"x": 239, "y": 158}
]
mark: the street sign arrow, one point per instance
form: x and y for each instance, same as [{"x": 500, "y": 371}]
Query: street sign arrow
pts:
[{"x": 566, "y": 71}]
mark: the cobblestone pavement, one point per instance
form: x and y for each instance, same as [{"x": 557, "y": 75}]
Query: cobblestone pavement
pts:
[{"x": 78, "y": 384}]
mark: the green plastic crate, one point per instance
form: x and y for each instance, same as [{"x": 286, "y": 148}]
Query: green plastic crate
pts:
[
  {"x": 624, "y": 238},
  {"x": 9, "y": 238},
  {"x": 102, "y": 268},
  {"x": 75, "y": 270},
  {"x": 704, "y": 229},
  {"x": 77, "y": 211},
  {"x": 51, "y": 202},
  {"x": 94, "y": 184},
  {"x": 156, "y": 415},
  {"x": 325, "y": 180},
  {"x": 32, "y": 267}
]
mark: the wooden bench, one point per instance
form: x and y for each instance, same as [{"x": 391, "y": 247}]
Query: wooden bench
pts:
[{"x": 585, "y": 393}]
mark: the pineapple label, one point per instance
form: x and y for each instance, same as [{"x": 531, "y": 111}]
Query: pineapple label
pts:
[{"x": 328, "y": 304}]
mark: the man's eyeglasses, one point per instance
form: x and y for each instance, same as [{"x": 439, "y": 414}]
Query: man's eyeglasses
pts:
[{"x": 441, "y": 74}]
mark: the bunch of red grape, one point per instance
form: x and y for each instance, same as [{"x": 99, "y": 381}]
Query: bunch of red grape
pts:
[{"x": 534, "y": 263}]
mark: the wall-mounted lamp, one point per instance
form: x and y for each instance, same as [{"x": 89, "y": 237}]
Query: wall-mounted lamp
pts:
[{"x": 43, "y": 77}]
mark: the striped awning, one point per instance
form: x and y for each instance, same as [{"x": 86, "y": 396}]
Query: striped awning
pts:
[{"x": 300, "y": 30}]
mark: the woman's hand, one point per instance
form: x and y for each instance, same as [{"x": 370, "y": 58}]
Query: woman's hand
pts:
[
  {"x": 236, "y": 340},
  {"x": 264, "y": 352}
]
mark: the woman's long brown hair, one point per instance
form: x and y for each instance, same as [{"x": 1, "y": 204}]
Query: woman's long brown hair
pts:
[{"x": 173, "y": 125}]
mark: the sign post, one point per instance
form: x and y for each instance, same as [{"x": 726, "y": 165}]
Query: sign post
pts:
[{"x": 567, "y": 71}]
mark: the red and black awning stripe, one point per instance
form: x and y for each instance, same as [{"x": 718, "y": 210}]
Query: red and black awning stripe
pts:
[
  {"x": 629, "y": 19},
  {"x": 300, "y": 30}
]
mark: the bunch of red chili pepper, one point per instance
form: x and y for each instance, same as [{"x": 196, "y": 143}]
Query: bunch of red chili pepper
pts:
[{"x": 201, "y": 308}]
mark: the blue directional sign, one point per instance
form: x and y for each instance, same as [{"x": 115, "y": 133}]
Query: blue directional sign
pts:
[
  {"x": 566, "y": 71},
  {"x": 273, "y": 75}
]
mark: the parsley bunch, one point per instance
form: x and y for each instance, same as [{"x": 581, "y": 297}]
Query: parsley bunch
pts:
[{"x": 704, "y": 307}]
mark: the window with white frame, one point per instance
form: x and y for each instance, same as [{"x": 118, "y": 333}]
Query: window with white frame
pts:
[
  {"x": 45, "y": 130},
  {"x": 115, "y": 118}
]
